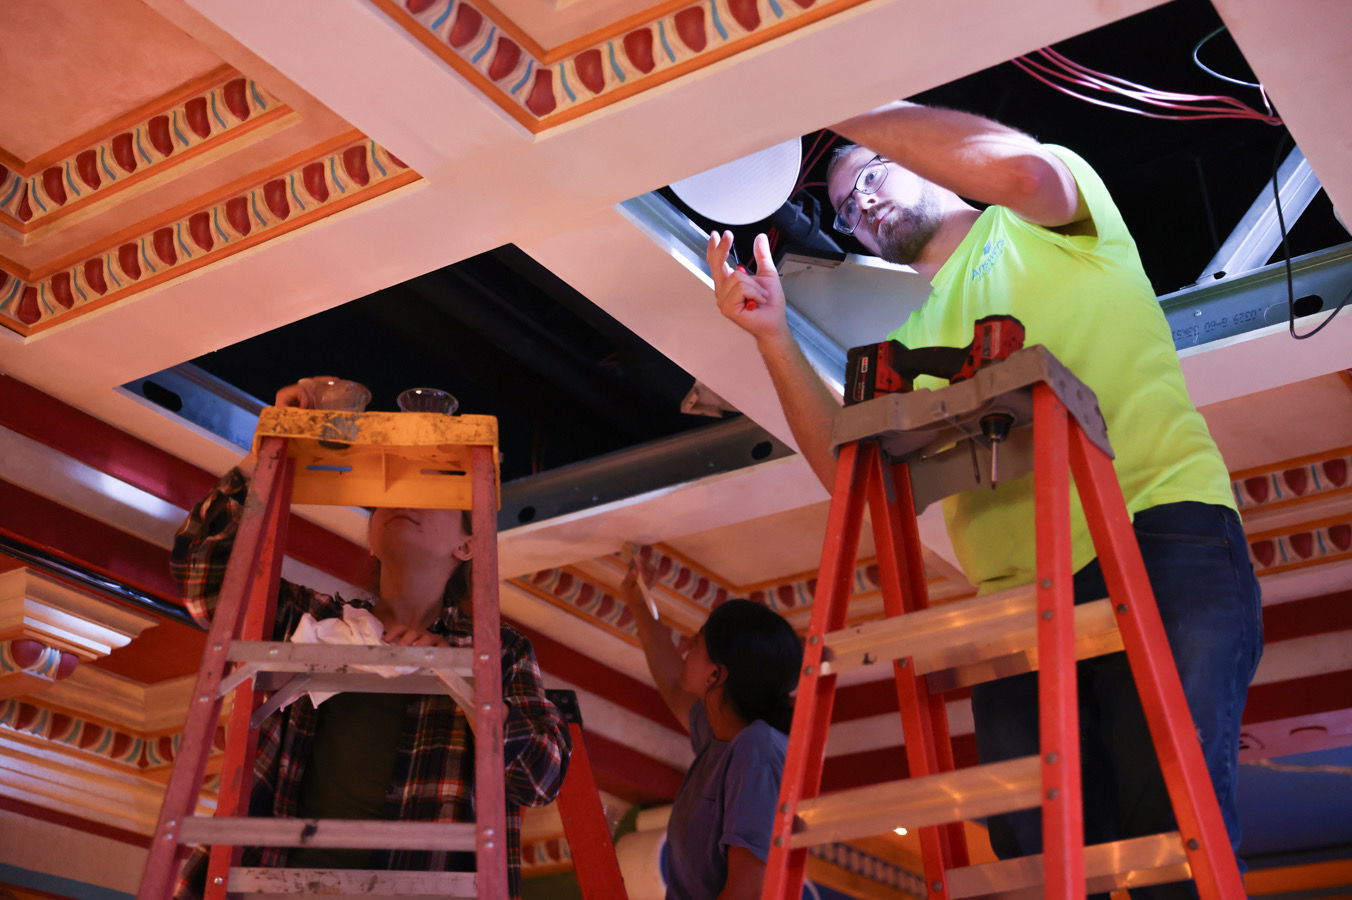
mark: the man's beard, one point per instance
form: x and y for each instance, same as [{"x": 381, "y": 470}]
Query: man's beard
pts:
[{"x": 903, "y": 236}]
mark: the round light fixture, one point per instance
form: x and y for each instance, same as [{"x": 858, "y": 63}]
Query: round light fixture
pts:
[{"x": 745, "y": 190}]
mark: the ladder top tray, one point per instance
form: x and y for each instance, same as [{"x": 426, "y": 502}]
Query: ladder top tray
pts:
[
  {"x": 397, "y": 459},
  {"x": 917, "y": 424}
]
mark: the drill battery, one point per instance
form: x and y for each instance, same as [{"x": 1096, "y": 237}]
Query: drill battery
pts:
[{"x": 891, "y": 367}]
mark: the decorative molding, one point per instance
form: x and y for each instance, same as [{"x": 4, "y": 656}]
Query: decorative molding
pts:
[
  {"x": 785, "y": 596},
  {"x": 545, "y": 856},
  {"x": 122, "y": 723},
  {"x": 127, "y": 750},
  {"x": 1299, "y": 546},
  {"x": 37, "y": 606},
  {"x": 687, "y": 593},
  {"x": 1293, "y": 481},
  {"x": 588, "y": 600},
  {"x": 1321, "y": 481},
  {"x": 684, "y": 579},
  {"x": 321, "y": 183},
  {"x": 27, "y": 666},
  {"x": 543, "y": 87},
  {"x": 34, "y": 770},
  {"x": 123, "y": 749},
  {"x": 862, "y": 865},
  {"x": 33, "y": 196},
  {"x": 101, "y": 696}
]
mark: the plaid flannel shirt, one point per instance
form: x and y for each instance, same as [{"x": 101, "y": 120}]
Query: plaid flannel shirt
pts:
[{"x": 434, "y": 767}]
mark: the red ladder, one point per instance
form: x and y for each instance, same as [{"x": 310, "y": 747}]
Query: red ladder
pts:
[
  {"x": 882, "y": 443},
  {"x": 584, "y": 823},
  {"x": 443, "y": 462}
]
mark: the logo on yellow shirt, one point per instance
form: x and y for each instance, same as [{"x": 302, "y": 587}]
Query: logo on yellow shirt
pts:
[{"x": 990, "y": 255}]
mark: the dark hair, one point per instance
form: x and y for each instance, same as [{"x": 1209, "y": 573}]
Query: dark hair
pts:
[
  {"x": 761, "y": 655},
  {"x": 459, "y": 584}
]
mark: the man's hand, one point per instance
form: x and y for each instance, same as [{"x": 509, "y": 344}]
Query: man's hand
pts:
[
  {"x": 754, "y": 302},
  {"x": 808, "y": 405}
]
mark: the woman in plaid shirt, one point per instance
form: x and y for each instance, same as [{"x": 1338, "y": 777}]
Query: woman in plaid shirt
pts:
[{"x": 379, "y": 756}]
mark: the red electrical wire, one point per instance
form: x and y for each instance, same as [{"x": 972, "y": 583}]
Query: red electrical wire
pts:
[
  {"x": 811, "y": 158},
  {"x": 1031, "y": 67},
  {"x": 1082, "y": 76},
  {"x": 1053, "y": 65},
  {"x": 1070, "y": 64},
  {"x": 813, "y": 149}
]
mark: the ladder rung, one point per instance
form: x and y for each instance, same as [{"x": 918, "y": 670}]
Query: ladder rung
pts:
[
  {"x": 961, "y": 633},
  {"x": 350, "y": 834},
  {"x": 285, "y": 656},
  {"x": 916, "y": 802},
  {"x": 354, "y": 683},
  {"x": 1136, "y": 862},
  {"x": 369, "y": 884},
  {"x": 1086, "y": 646},
  {"x": 346, "y": 661}
]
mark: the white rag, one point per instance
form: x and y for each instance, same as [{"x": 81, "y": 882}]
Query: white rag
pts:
[{"x": 357, "y": 626}]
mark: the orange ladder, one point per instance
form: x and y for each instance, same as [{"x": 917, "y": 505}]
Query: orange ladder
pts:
[
  {"x": 897, "y": 453},
  {"x": 423, "y": 460}
]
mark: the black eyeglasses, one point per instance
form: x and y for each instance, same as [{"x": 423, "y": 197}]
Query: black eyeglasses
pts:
[{"x": 869, "y": 179}]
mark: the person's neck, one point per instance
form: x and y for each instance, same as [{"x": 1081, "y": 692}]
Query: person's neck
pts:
[
  {"x": 723, "y": 720},
  {"x": 953, "y": 229},
  {"x": 410, "y": 597}
]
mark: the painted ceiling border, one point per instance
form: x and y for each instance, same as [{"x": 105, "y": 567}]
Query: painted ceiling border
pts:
[
  {"x": 205, "y": 113},
  {"x": 1293, "y": 481},
  {"x": 1301, "y": 546},
  {"x": 119, "y": 122},
  {"x": 126, "y": 749},
  {"x": 545, "y": 87},
  {"x": 681, "y": 581},
  {"x": 301, "y": 190}
]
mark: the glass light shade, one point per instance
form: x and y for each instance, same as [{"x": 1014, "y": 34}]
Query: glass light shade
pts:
[
  {"x": 424, "y": 399},
  {"x": 334, "y": 393}
]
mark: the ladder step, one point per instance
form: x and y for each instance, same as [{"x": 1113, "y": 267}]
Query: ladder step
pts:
[
  {"x": 369, "y": 884},
  {"x": 342, "y": 667},
  {"x": 1086, "y": 646},
  {"x": 964, "y": 633},
  {"x": 1136, "y": 862},
  {"x": 352, "y": 834},
  {"x": 284, "y": 656},
  {"x": 916, "y": 802},
  {"x": 353, "y": 683}
]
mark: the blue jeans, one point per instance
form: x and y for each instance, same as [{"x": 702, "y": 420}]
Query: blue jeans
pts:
[{"x": 1198, "y": 563}]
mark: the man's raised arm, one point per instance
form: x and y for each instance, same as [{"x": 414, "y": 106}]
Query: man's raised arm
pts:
[{"x": 974, "y": 157}]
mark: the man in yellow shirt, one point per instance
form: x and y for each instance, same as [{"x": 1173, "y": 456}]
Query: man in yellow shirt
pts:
[{"x": 1052, "y": 250}]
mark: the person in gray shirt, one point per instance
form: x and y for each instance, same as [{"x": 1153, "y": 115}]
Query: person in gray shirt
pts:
[{"x": 732, "y": 688}]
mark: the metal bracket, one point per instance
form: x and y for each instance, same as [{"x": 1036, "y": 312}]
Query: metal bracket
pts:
[{"x": 1258, "y": 234}]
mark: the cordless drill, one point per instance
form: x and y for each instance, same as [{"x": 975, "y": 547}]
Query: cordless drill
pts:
[{"x": 891, "y": 367}]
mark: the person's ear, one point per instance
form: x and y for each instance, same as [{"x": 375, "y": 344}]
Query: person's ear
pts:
[
  {"x": 717, "y": 676},
  {"x": 465, "y": 552}
]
